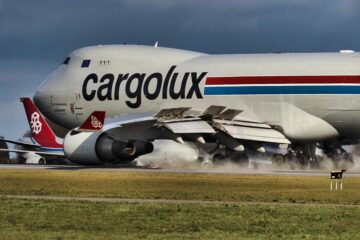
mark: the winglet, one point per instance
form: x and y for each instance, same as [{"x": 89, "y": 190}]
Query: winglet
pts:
[
  {"x": 94, "y": 122},
  {"x": 40, "y": 130}
]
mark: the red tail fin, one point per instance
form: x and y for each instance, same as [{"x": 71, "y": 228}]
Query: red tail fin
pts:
[
  {"x": 94, "y": 122},
  {"x": 40, "y": 130}
]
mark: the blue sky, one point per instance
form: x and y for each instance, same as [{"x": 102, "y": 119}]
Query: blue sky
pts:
[{"x": 36, "y": 35}]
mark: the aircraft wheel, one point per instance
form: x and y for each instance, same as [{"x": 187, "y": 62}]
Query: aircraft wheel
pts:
[
  {"x": 207, "y": 164},
  {"x": 42, "y": 161},
  {"x": 292, "y": 161},
  {"x": 317, "y": 163},
  {"x": 289, "y": 158},
  {"x": 278, "y": 159},
  {"x": 241, "y": 159},
  {"x": 218, "y": 159}
]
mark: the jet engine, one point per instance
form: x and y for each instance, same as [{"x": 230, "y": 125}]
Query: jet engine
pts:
[
  {"x": 99, "y": 148},
  {"x": 33, "y": 158}
]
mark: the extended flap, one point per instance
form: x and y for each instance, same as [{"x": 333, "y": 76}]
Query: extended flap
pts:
[
  {"x": 188, "y": 127},
  {"x": 256, "y": 134},
  {"x": 242, "y": 123}
]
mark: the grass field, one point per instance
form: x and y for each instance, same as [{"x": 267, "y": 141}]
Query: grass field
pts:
[
  {"x": 211, "y": 187},
  {"x": 318, "y": 214}
]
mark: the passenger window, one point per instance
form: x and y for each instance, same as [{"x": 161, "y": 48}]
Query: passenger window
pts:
[
  {"x": 66, "y": 61},
  {"x": 85, "y": 64}
]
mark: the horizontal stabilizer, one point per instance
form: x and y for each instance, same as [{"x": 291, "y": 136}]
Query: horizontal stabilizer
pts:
[
  {"x": 58, "y": 154},
  {"x": 20, "y": 143}
]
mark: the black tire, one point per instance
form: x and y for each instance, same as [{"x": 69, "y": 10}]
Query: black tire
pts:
[
  {"x": 278, "y": 159},
  {"x": 292, "y": 161},
  {"x": 240, "y": 159},
  {"x": 218, "y": 159},
  {"x": 317, "y": 163},
  {"x": 288, "y": 158},
  {"x": 42, "y": 161},
  {"x": 207, "y": 164}
]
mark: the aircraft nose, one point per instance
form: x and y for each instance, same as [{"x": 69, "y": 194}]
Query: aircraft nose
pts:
[
  {"x": 38, "y": 97},
  {"x": 50, "y": 86},
  {"x": 42, "y": 97}
]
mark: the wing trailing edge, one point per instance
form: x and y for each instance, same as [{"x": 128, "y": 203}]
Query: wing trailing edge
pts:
[{"x": 215, "y": 124}]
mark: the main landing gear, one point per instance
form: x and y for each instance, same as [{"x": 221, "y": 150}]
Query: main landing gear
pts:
[
  {"x": 314, "y": 155},
  {"x": 222, "y": 157}
]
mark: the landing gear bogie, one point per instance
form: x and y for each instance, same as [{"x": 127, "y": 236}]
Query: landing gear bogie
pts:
[
  {"x": 313, "y": 156},
  {"x": 239, "y": 158}
]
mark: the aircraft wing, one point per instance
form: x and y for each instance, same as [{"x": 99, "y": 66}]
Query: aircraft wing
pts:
[
  {"x": 214, "y": 124},
  {"x": 21, "y": 143},
  {"x": 36, "y": 152}
]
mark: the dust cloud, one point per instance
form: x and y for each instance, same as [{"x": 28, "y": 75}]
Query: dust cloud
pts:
[{"x": 172, "y": 155}]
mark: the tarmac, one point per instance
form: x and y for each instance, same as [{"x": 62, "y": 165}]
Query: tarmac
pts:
[{"x": 242, "y": 171}]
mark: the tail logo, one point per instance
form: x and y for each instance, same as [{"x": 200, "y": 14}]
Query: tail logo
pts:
[
  {"x": 95, "y": 122},
  {"x": 35, "y": 123}
]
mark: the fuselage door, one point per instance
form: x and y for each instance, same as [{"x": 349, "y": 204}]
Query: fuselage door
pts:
[{"x": 75, "y": 107}]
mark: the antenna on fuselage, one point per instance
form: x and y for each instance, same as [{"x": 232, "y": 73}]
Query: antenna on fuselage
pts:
[{"x": 156, "y": 44}]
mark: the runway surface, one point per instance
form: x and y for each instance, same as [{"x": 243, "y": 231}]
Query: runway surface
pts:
[
  {"x": 170, "y": 201},
  {"x": 243, "y": 171}
]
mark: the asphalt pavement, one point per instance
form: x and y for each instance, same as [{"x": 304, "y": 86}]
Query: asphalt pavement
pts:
[{"x": 235, "y": 171}]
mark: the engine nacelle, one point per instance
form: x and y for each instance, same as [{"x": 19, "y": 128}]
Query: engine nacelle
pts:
[
  {"x": 79, "y": 147},
  {"x": 109, "y": 149},
  {"x": 99, "y": 148},
  {"x": 142, "y": 148},
  {"x": 33, "y": 158}
]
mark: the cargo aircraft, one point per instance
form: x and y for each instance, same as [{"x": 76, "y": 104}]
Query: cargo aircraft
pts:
[
  {"x": 239, "y": 103},
  {"x": 42, "y": 146}
]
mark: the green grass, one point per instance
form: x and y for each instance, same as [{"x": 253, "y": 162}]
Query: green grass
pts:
[
  {"x": 44, "y": 219},
  {"x": 24, "y": 219},
  {"x": 235, "y": 188}
]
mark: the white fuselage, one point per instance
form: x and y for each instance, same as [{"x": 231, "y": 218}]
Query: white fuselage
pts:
[{"x": 311, "y": 96}]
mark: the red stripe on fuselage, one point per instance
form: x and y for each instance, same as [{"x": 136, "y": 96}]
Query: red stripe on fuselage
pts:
[{"x": 349, "y": 79}]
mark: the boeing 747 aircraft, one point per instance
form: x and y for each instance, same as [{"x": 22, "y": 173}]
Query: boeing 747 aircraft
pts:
[
  {"x": 42, "y": 145},
  {"x": 237, "y": 102}
]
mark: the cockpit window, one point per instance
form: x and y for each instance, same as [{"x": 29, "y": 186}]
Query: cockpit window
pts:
[
  {"x": 66, "y": 61},
  {"x": 85, "y": 64}
]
